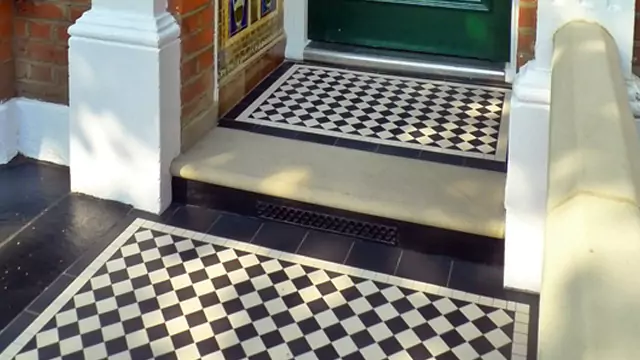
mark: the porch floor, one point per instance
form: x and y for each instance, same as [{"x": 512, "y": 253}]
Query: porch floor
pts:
[
  {"x": 417, "y": 118},
  {"x": 82, "y": 278}
]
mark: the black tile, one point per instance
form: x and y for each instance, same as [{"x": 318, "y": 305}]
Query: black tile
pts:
[
  {"x": 238, "y": 125},
  {"x": 316, "y": 138},
  {"x": 373, "y": 256},
  {"x": 235, "y": 227},
  {"x": 325, "y": 246},
  {"x": 478, "y": 278},
  {"x": 442, "y": 158},
  {"x": 193, "y": 218},
  {"x": 40, "y": 253},
  {"x": 15, "y": 328},
  {"x": 399, "y": 151},
  {"x": 485, "y": 164},
  {"x": 237, "y": 110},
  {"x": 274, "y": 131},
  {"x": 166, "y": 215},
  {"x": 280, "y": 236},
  {"x": 357, "y": 145},
  {"x": 28, "y": 188},
  {"x": 426, "y": 268},
  {"x": 50, "y": 293}
]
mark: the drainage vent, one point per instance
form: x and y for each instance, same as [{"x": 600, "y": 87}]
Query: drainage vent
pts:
[{"x": 330, "y": 223}]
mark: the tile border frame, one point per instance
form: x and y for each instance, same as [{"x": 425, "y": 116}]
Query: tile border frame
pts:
[
  {"x": 522, "y": 311},
  {"x": 243, "y": 115}
]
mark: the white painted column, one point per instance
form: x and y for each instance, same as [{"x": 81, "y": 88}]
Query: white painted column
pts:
[
  {"x": 526, "y": 189},
  {"x": 295, "y": 27},
  {"x": 124, "y": 97}
]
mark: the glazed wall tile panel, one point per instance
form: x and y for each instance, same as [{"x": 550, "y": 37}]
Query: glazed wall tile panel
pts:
[{"x": 247, "y": 27}]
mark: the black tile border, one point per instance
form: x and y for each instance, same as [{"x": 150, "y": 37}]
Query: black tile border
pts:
[
  {"x": 228, "y": 121},
  {"x": 420, "y": 238}
]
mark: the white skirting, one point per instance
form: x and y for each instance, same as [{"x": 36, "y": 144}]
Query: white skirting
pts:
[{"x": 36, "y": 129}]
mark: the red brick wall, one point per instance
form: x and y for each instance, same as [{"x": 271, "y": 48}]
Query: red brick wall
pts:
[
  {"x": 527, "y": 18},
  {"x": 6, "y": 57},
  {"x": 40, "y": 47},
  {"x": 196, "y": 19}
]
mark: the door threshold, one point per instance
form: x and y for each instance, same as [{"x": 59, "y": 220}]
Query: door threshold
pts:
[{"x": 405, "y": 62}]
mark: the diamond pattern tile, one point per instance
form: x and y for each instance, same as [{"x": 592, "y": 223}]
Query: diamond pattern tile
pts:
[
  {"x": 162, "y": 292},
  {"x": 414, "y": 113}
]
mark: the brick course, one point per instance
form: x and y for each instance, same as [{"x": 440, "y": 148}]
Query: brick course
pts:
[
  {"x": 7, "y": 89},
  {"x": 40, "y": 47},
  {"x": 196, "y": 19}
]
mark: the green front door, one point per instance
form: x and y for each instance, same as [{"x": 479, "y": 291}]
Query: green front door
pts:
[{"x": 467, "y": 28}]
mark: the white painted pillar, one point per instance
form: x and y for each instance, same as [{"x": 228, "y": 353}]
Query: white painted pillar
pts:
[
  {"x": 526, "y": 189},
  {"x": 295, "y": 27},
  {"x": 124, "y": 97}
]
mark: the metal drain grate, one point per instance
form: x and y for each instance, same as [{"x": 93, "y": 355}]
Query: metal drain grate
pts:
[{"x": 330, "y": 223}]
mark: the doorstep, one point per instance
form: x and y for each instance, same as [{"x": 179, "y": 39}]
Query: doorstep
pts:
[{"x": 426, "y": 193}]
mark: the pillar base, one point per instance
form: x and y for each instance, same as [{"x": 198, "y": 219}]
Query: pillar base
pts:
[
  {"x": 124, "y": 88},
  {"x": 526, "y": 188}
]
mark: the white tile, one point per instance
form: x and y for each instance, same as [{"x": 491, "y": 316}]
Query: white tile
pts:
[
  {"x": 497, "y": 338},
  {"x": 436, "y": 346},
  {"x": 291, "y": 332},
  {"x": 468, "y": 331},
  {"x": 252, "y": 346},
  {"x": 445, "y": 306},
  {"x": 440, "y": 325},
  {"x": 465, "y": 351},
  {"x": 373, "y": 352},
  {"x": 239, "y": 319}
]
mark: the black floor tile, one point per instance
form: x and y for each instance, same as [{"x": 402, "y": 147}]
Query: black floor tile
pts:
[
  {"x": 316, "y": 138},
  {"x": 50, "y": 293},
  {"x": 27, "y": 188},
  {"x": 273, "y": 131},
  {"x": 9, "y": 333},
  {"x": 373, "y": 256},
  {"x": 426, "y": 268},
  {"x": 357, "y": 145},
  {"x": 40, "y": 253},
  {"x": 478, "y": 278},
  {"x": 280, "y": 236},
  {"x": 162, "y": 218},
  {"x": 399, "y": 151},
  {"x": 325, "y": 246},
  {"x": 442, "y": 158},
  {"x": 236, "y": 227},
  {"x": 193, "y": 218}
]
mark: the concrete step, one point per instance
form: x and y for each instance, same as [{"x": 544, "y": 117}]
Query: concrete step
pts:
[{"x": 425, "y": 193}]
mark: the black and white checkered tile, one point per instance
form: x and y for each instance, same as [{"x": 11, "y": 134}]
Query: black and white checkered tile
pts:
[
  {"x": 421, "y": 114},
  {"x": 162, "y": 292}
]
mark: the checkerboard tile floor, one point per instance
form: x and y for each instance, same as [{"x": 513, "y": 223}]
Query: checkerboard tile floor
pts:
[
  {"x": 163, "y": 292},
  {"x": 421, "y": 114}
]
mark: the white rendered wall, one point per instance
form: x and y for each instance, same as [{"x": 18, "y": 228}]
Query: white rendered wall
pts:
[
  {"x": 526, "y": 189},
  {"x": 124, "y": 79}
]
